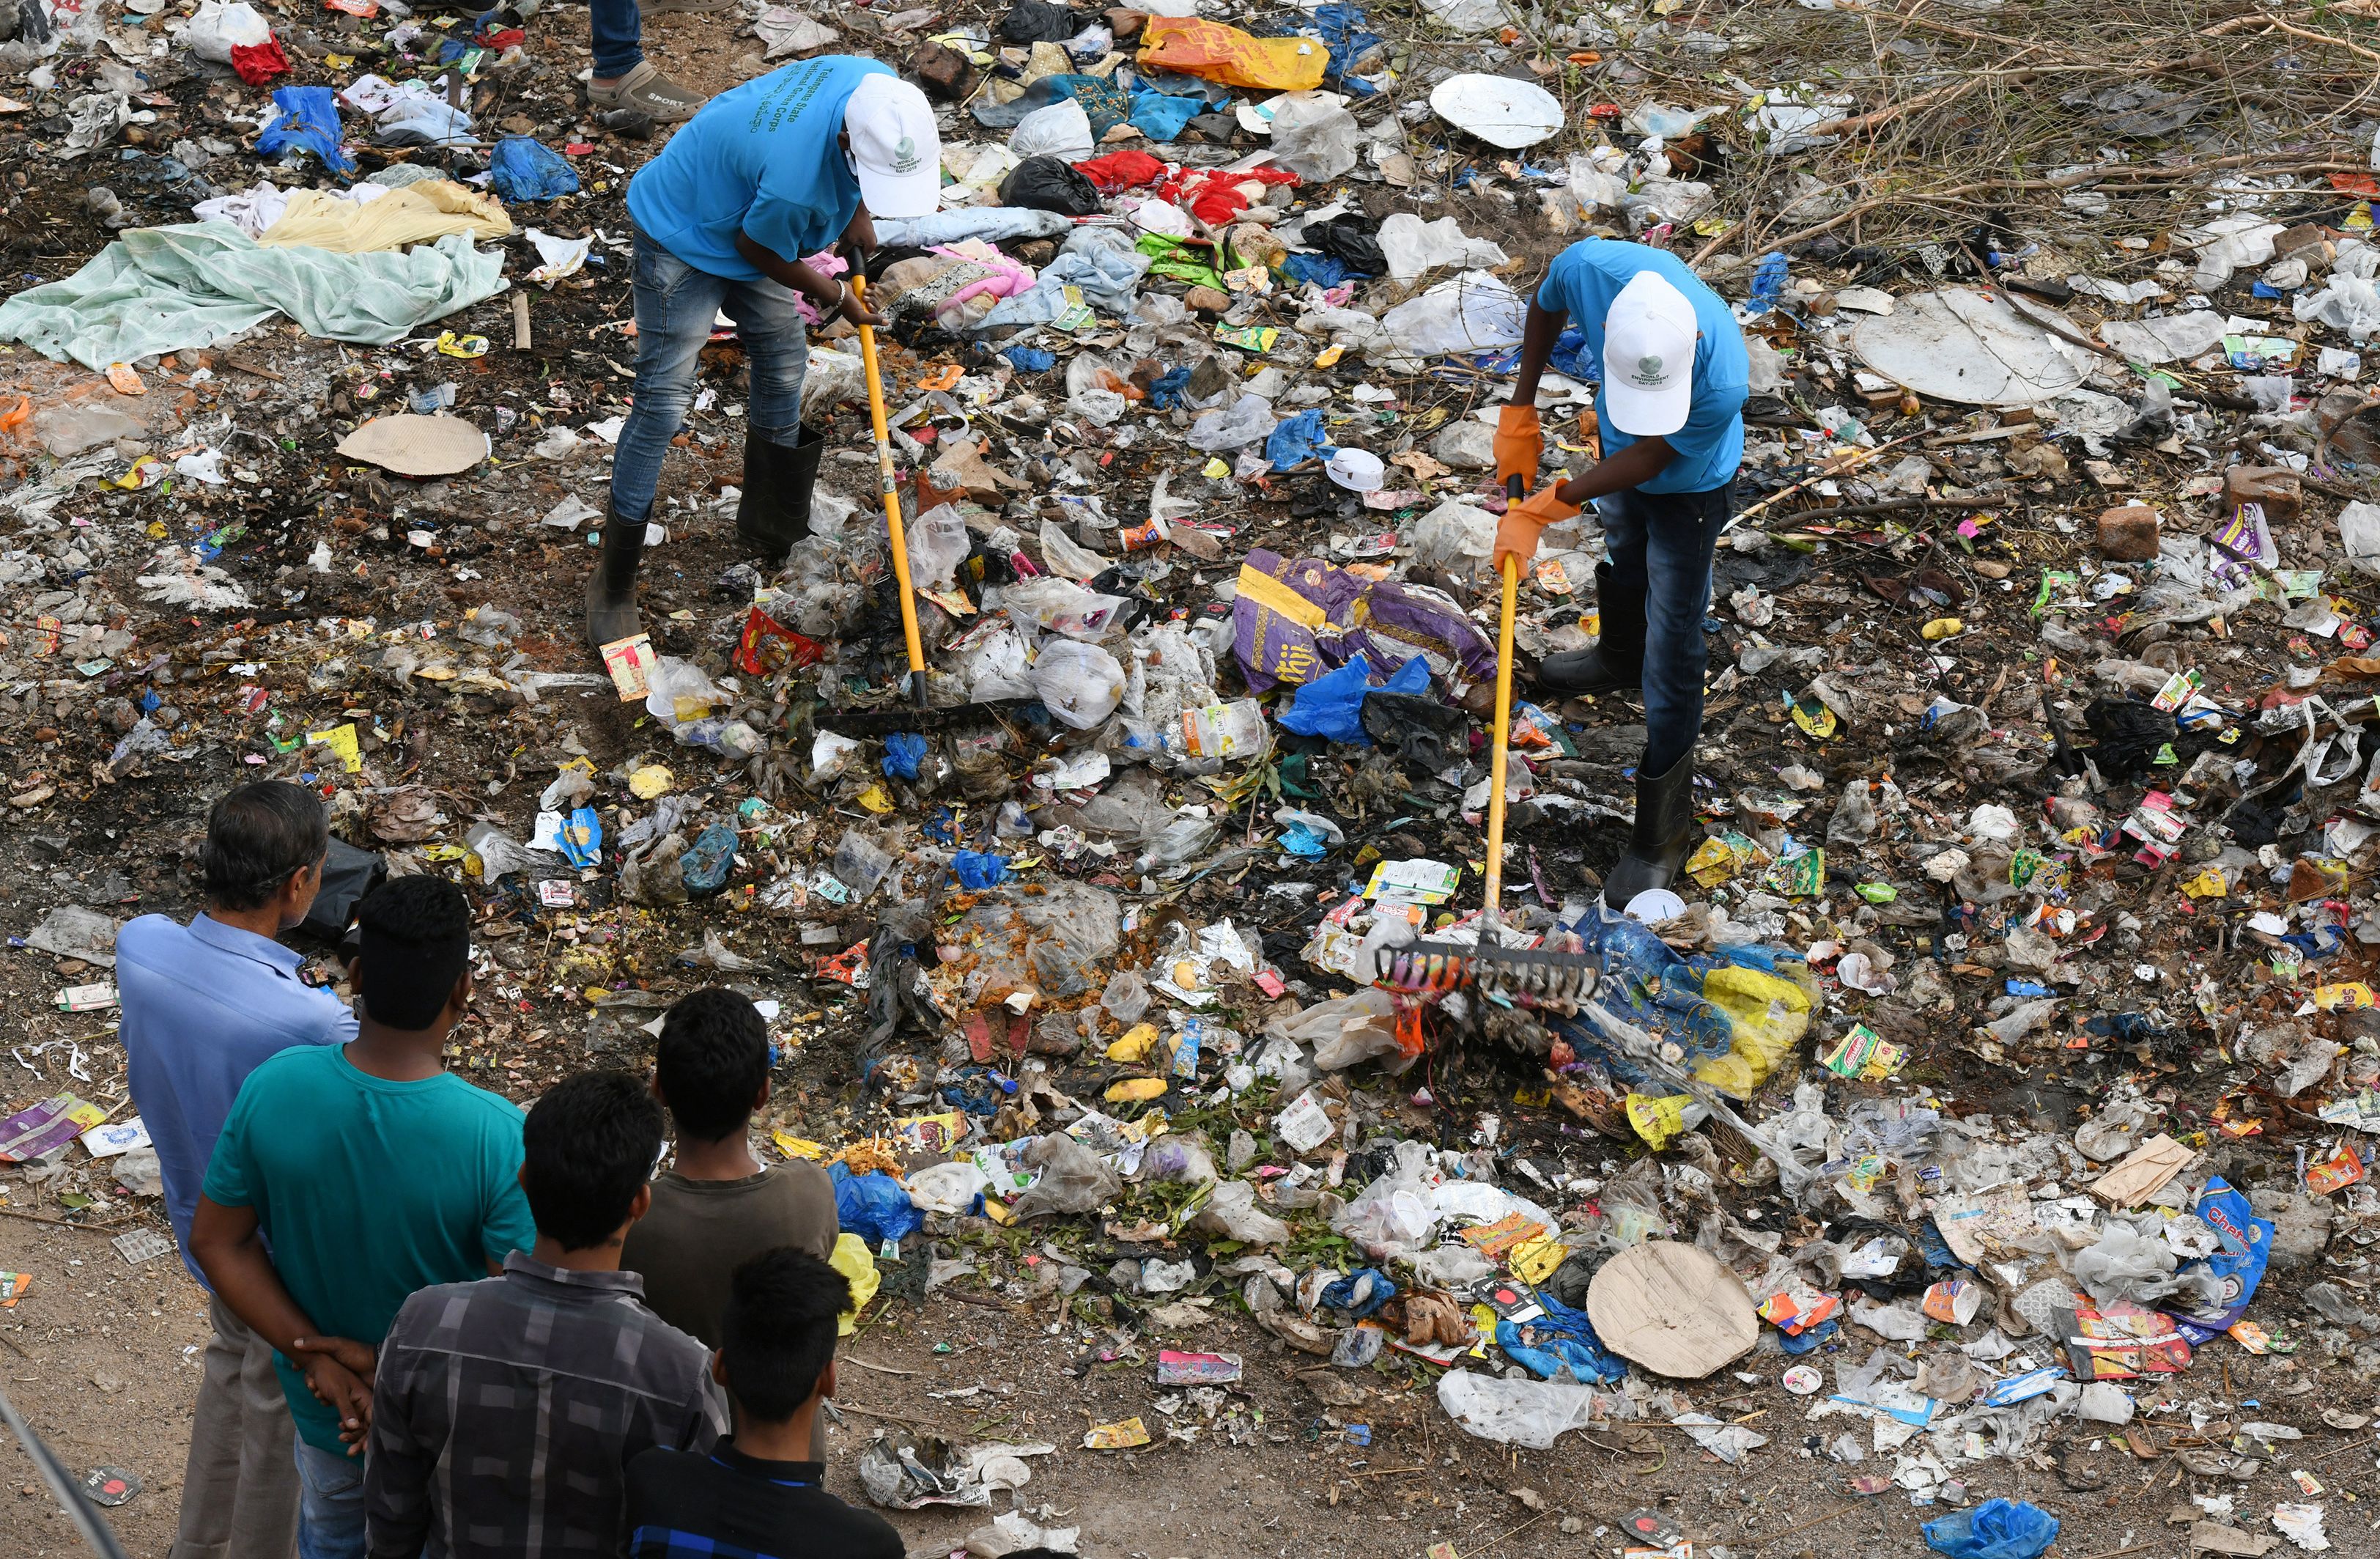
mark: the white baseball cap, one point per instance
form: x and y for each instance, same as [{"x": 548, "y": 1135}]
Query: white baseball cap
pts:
[
  {"x": 895, "y": 147},
  {"x": 1648, "y": 358}
]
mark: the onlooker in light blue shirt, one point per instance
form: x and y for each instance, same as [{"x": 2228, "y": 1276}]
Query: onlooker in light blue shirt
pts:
[{"x": 204, "y": 1005}]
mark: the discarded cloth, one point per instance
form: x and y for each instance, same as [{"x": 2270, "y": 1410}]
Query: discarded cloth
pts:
[
  {"x": 991, "y": 223},
  {"x": 165, "y": 289},
  {"x": 390, "y": 219}
]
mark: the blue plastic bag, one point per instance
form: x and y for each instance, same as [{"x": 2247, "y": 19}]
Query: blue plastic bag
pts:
[
  {"x": 1160, "y": 117},
  {"x": 1560, "y": 1339},
  {"x": 1342, "y": 31},
  {"x": 1322, "y": 270},
  {"x": 305, "y": 118},
  {"x": 706, "y": 867},
  {"x": 903, "y": 751},
  {"x": 1299, "y": 438},
  {"x": 1331, "y": 706},
  {"x": 1030, "y": 359},
  {"x": 2247, "y": 1245},
  {"x": 1165, "y": 391},
  {"x": 976, "y": 869},
  {"x": 1361, "y": 1294},
  {"x": 873, "y": 1205},
  {"x": 1768, "y": 284},
  {"x": 1994, "y": 1530},
  {"x": 521, "y": 169}
]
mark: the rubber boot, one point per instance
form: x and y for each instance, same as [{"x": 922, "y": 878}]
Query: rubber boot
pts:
[
  {"x": 774, "y": 511},
  {"x": 1615, "y": 662},
  {"x": 1663, "y": 836},
  {"x": 612, "y": 610}
]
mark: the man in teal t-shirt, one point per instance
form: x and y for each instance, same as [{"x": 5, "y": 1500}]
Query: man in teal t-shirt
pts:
[
  {"x": 347, "y": 1176},
  {"x": 726, "y": 220},
  {"x": 1668, "y": 402}
]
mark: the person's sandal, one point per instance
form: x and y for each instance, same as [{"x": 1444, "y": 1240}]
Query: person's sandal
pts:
[
  {"x": 650, "y": 92},
  {"x": 685, "y": 6}
]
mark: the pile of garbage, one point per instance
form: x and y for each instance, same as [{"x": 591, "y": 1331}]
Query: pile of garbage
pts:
[{"x": 2007, "y": 1048}]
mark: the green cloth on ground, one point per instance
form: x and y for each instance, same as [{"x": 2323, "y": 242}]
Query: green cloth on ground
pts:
[
  {"x": 367, "y": 1190},
  {"x": 1172, "y": 258},
  {"x": 169, "y": 289}
]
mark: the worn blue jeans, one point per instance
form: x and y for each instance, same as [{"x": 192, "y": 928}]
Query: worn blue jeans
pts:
[
  {"x": 613, "y": 28},
  {"x": 675, "y": 307},
  {"x": 330, "y": 1504},
  {"x": 1661, "y": 545}
]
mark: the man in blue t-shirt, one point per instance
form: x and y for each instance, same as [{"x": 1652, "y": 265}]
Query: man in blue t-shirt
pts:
[
  {"x": 1671, "y": 409},
  {"x": 778, "y": 169},
  {"x": 346, "y": 1178},
  {"x": 204, "y": 1006}
]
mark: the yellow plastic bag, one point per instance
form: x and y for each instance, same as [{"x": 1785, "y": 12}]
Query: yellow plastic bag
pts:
[
  {"x": 1769, "y": 1016},
  {"x": 1658, "y": 1121},
  {"x": 854, "y": 1260},
  {"x": 1215, "y": 53}
]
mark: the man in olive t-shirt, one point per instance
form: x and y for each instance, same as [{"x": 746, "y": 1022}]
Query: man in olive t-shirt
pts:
[{"x": 720, "y": 1205}]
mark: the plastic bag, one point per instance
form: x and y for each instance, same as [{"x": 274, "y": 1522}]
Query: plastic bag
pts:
[
  {"x": 1063, "y": 130},
  {"x": 1455, "y": 536},
  {"x": 1073, "y": 1179},
  {"x": 859, "y": 863},
  {"x": 1314, "y": 137},
  {"x": 1352, "y": 240},
  {"x": 855, "y": 1259},
  {"x": 2239, "y": 1267},
  {"x": 1561, "y": 1340},
  {"x": 947, "y": 1188},
  {"x": 1126, "y": 997},
  {"x": 872, "y": 1206},
  {"x": 1049, "y": 184},
  {"x": 1994, "y": 1530},
  {"x": 521, "y": 168},
  {"x": 1331, "y": 706},
  {"x": 1081, "y": 684},
  {"x": 218, "y": 29},
  {"x": 1530, "y": 1413},
  {"x": 938, "y": 544},
  {"x": 1411, "y": 246},
  {"x": 1297, "y": 439},
  {"x": 1236, "y": 426},
  {"x": 1232, "y": 1213},
  {"x": 710, "y": 861},
  {"x": 306, "y": 120},
  {"x": 1059, "y": 606},
  {"x": 1215, "y": 53},
  {"x": 1472, "y": 312}
]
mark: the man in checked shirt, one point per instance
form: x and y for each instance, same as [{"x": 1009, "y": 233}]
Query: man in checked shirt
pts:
[{"x": 506, "y": 1411}]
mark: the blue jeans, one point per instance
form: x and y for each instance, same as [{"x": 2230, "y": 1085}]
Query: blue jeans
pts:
[
  {"x": 1661, "y": 545},
  {"x": 613, "y": 27},
  {"x": 675, "y": 306},
  {"x": 330, "y": 1504}
]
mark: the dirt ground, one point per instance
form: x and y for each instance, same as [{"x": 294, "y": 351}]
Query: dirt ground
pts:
[{"x": 102, "y": 1359}]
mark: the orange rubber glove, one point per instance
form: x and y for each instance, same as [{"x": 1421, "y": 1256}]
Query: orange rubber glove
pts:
[
  {"x": 1520, "y": 444},
  {"x": 1516, "y": 533}
]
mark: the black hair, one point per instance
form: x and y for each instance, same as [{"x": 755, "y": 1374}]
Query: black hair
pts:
[
  {"x": 711, "y": 1060},
  {"x": 416, "y": 943},
  {"x": 258, "y": 837},
  {"x": 777, "y": 1336},
  {"x": 586, "y": 1149}
]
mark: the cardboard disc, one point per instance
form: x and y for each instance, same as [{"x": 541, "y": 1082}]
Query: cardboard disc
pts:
[
  {"x": 412, "y": 445},
  {"x": 1674, "y": 1309}
]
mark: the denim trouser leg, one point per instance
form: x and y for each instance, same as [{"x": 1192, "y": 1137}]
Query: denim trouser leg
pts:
[
  {"x": 675, "y": 306},
  {"x": 330, "y": 1504},
  {"x": 778, "y": 348},
  {"x": 1661, "y": 545},
  {"x": 613, "y": 27}
]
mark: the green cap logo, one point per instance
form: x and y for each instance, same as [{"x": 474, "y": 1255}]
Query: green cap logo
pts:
[
  {"x": 904, "y": 155},
  {"x": 1648, "y": 369}
]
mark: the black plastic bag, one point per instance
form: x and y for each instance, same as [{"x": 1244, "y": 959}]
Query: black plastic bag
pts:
[
  {"x": 1049, "y": 184},
  {"x": 2129, "y": 734},
  {"x": 1423, "y": 734},
  {"x": 1352, "y": 239},
  {"x": 1032, "y": 21},
  {"x": 348, "y": 873}
]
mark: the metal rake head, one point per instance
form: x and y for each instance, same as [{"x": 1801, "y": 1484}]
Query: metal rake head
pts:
[{"x": 1515, "y": 976}]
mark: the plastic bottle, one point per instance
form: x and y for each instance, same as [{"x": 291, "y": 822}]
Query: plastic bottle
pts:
[{"x": 1237, "y": 729}]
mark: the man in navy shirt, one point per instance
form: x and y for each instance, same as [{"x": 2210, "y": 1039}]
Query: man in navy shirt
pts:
[
  {"x": 204, "y": 1005},
  {"x": 1671, "y": 409}
]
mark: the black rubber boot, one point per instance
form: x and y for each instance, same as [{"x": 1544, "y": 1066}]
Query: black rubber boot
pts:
[
  {"x": 774, "y": 511},
  {"x": 1663, "y": 836},
  {"x": 1616, "y": 660},
  {"x": 612, "y": 610}
]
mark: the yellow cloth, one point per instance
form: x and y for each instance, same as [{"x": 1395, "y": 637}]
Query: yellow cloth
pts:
[
  {"x": 414, "y": 214},
  {"x": 854, "y": 1260}
]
